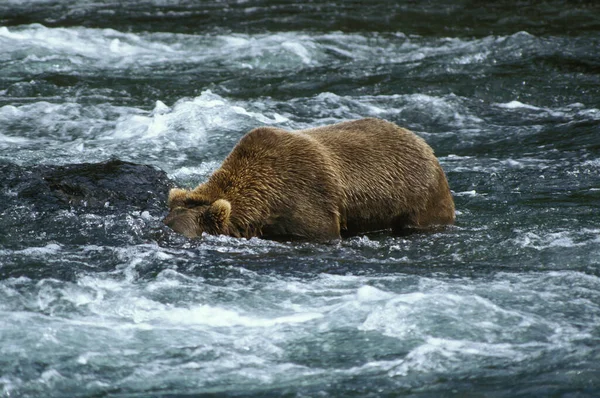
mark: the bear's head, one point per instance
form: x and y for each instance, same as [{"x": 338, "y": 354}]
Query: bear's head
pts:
[{"x": 191, "y": 215}]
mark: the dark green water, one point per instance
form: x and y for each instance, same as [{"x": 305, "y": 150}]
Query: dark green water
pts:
[{"x": 97, "y": 298}]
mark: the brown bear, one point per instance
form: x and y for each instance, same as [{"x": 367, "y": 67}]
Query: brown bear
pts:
[{"x": 318, "y": 184}]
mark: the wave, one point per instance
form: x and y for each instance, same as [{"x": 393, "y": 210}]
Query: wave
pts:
[
  {"x": 414, "y": 325},
  {"x": 35, "y": 48},
  {"x": 174, "y": 137},
  {"x": 560, "y": 239}
]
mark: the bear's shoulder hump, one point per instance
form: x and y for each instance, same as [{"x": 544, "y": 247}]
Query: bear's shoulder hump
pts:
[{"x": 264, "y": 135}]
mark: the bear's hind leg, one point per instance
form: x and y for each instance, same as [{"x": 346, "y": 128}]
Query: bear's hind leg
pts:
[{"x": 439, "y": 209}]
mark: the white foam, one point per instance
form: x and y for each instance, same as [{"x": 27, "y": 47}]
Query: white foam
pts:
[
  {"x": 453, "y": 157},
  {"x": 87, "y": 134},
  {"x": 446, "y": 355},
  {"x": 202, "y": 171},
  {"x": 105, "y": 48},
  {"x": 493, "y": 165},
  {"x": 49, "y": 249},
  {"x": 189, "y": 121},
  {"x": 330, "y": 108},
  {"x": 471, "y": 193},
  {"x": 592, "y": 113},
  {"x": 141, "y": 310},
  {"x": 108, "y": 48},
  {"x": 434, "y": 326},
  {"x": 546, "y": 240},
  {"x": 472, "y": 58},
  {"x": 7, "y": 141},
  {"x": 73, "y": 132},
  {"x": 559, "y": 112},
  {"x": 9, "y": 383},
  {"x": 595, "y": 163},
  {"x": 50, "y": 376},
  {"x": 362, "y": 241},
  {"x": 298, "y": 49},
  {"x": 370, "y": 294},
  {"x": 402, "y": 317},
  {"x": 517, "y": 105}
]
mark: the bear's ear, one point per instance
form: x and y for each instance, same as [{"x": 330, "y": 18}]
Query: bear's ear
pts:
[
  {"x": 195, "y": 198},
  {"x": 219, "y": 212},
  {"x": 184, "y": 198},
  {"x": 177, "y": 197}
]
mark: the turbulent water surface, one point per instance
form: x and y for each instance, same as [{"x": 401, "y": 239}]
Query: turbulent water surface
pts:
[{"x": 105, "y": 105}]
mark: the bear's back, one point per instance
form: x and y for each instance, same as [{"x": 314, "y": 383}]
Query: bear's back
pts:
[{"x": 383, "y": 169}]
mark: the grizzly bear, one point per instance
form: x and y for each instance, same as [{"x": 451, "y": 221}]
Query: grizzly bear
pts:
[{"x": 318, "y": 184}]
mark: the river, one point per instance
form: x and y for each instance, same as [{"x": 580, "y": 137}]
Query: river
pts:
[{"x": 105, "y": 105}]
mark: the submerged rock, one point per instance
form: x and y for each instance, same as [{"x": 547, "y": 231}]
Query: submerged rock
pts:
[{"x": 94, "y": 186}]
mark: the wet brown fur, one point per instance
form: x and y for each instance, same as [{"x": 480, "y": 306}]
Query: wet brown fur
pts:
[{"x": 318, "y": 184}]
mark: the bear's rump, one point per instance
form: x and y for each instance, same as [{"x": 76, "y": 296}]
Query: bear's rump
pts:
[{"x": 386, "y": 175}]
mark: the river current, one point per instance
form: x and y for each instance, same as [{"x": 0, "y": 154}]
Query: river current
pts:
[{"x": 105, "y": 105}]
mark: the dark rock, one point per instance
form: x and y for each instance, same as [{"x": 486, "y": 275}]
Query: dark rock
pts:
[{"x": 94, "y": 186}]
